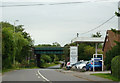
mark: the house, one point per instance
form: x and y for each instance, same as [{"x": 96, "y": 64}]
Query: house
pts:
[{"x": 110, "y": 39}]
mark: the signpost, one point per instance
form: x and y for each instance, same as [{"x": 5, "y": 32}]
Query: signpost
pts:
[
  {"x": 73, "y": 54},
  {"x": 91, "y": 40},
  {"x": 98, "y": 60}
]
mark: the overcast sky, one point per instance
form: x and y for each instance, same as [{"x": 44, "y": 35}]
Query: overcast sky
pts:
[{"x": 60, "y": 23}]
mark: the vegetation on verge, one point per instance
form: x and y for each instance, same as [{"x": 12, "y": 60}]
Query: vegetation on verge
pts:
[
  {"x": 115, "y": 67},
  {"x": 12, "y": 69},
  {"x": 112, "y": 60},
  {"x": 115, "y": 51},
  {"x": 16, "y": 46},
  {"x": 107, "y": 75}
]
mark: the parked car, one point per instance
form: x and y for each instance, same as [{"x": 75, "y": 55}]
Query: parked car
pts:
[
  {"x": 73, "y": 65},
  {"x": 82, "y": 66},
  {"x": 97, "y": 65},
  {"x": 68, "y": 66}
]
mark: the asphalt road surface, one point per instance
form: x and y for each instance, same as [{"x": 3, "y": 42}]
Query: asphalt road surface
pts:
[
  {"x": 38, "y": 75},
  {"x": 49, "y": 74}
]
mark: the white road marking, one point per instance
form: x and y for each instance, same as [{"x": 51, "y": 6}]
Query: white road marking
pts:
[{"x": 42, "y": 76}]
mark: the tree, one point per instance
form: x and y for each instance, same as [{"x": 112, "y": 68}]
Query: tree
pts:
[
  {"x": 56, "y": 44},
  {"x": 20, "y": 43},
  {"x": 52, "y": 57},
  {"x": 115, "y": 51},
  {"x": 66, "y": 52},
  {"x": 117, "y": 13},
  {"x": 115, "y": 31},
  {"x": 14, "y": 44},
  {"x": 98, "y": 34},
  {"x": 89, "y": 51},
  {"x": 46, "y": 58},
  {"x": 85, "y": 52},
  {"x": 8, "y": 45}
]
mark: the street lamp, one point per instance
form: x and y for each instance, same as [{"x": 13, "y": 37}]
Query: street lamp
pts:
[{"x": 14, "y": 38}]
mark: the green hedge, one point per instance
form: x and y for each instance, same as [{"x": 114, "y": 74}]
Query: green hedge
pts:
[
  {"x": 115, "y": 51},
  {"x": 115, "y": 67}
]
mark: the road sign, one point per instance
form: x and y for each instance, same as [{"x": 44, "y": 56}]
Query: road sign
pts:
[
  {"x": 100, "y": 59},
  {"x": 73, "y": 54}
]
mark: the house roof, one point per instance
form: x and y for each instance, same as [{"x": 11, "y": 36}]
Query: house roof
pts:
[{"x": 111, "y": 36}]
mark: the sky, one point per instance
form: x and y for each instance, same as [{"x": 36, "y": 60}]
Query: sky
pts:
[
  {"x": 57, "y": 0},
  {"x": 61, "y": 21}
]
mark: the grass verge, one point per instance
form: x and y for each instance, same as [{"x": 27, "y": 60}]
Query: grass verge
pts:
[
  {"x": 43, "y": 66},
  {"x": 12, "y": 69},
  {"x": 107, "y": 75}
]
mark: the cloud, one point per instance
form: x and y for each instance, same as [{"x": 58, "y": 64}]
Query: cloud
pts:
[{"x": 60, "y": 23}]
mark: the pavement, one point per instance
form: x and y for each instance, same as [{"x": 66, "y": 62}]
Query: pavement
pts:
[{"x": 86, "y": 75}]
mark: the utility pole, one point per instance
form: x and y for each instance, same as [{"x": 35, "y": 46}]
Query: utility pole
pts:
[
  {"x": 77, "y": 34},
  {"x": 118, "y": 16},
  {"x": 14, "y": 38}
]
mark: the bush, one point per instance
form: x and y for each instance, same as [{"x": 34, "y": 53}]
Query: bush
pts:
[
  {"x": 56, "y": 62},
  {"x": 52, "y": 57},
  {"x": 23, "y": 64},
  {"x": 46, "y": 58},
  {"x": 42, "y": 61},
  {"x": 111, "y": 54},
  {"x": 56, "y": 58},
  {"x": 115, "y": 67},
  {"x": 32, "y": 63}
]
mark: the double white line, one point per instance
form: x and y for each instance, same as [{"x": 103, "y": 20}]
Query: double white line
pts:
[{"x": 42, "y": 76}]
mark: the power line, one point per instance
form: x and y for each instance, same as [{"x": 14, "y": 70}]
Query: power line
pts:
[
  {"x": 43, "y": 4},
  {"x": 20, "y": 5},
  {"x": 99, "y": 25}
]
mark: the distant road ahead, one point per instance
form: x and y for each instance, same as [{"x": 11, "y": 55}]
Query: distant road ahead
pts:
[{"x": 54, "y": 67}]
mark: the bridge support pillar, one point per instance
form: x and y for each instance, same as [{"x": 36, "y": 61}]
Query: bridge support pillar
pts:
[{"x": 38, "y": 60}]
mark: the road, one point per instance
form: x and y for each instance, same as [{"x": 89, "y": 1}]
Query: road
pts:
[
  {"x": 54, "y": 67},
  {"x": 50, "y": 74},
  {"x": 39, "y": 75}
]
